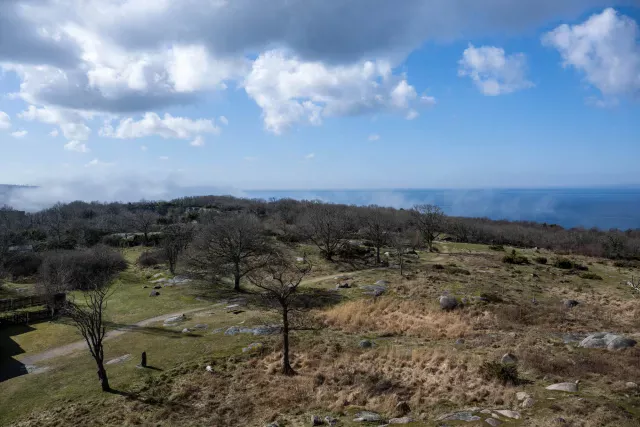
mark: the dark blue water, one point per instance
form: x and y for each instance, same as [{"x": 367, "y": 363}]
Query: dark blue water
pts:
[{"x": 603, "y": 208}]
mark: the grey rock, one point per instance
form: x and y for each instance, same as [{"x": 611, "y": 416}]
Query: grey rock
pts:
[
  {"x": 158, "y": 281},
  {"x": 460, "y": 341},
  {"x": 367, "y": 416},
  {"x": 234, "y": 330},
  {"x": 607, "y": 340},
  {"x": 492, "y": 422},
  {"x": 560, "y": 420},
  {"x": 382, "y": 282},
  {"x": 154, "y": 294},
  {"x": 448, "y": 302},
  {"x": 274, "y": 424},
  {"x": 316, "y": 420},
  {"x": 258, "y": 330},
  {"x": 201, "y": 326},
  {"x": 509, "y": 414},
  {"x": 401, "y": 420},
  {"x": 460, "y": 416},
  {"x": 568, "y": 387},
  {"x": 330, "y": 421},
  {"x": 509, "y": 359},
  {"x": 631, "y": 385},
  {"x": 365, "y": 344},
  {"x": 253, "y": 347},
  {"x": 375, "y": 290},
  {"x": 176, "y": 319},
  {"x": 570, "y": 303},
  {"x": 186, "y": 331},
  {"x": 528, "y": 403},
  {"x": 521, "y": 395},
  {"x": 572, "y": 338}
]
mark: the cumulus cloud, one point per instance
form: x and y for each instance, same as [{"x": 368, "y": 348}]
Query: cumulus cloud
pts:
[
  {"x": 5, "y": 120},
  {"x": 494, "y": 72},
  {"x": 53, "y": 133},
  {"x": 19, "y": 134},
  {"x": 374, "y": 137},
  {"x": 292, "y": 91},
  {"x": 77, "y": 146},
  {"x": 605, "y": 49},
  {"x": 198, "y": 142},
  {"x": 167, "y": 127},
  {"x": 71, "y": 123}
]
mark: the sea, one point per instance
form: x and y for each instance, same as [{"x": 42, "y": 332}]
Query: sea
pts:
[{"x": 603, "y": 208}]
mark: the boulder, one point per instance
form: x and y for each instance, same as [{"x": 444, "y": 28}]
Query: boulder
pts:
[
  {"x": 367, "y": 416},
  {"x": 201, "y": 326},
  {"x": 528, "y": 403},
  {"x": 402, "y": 409},
  {"x": 365, "y": 344},
  {"x": 382, "y": 282},
  {"x": 509, "y": 359},
  {"x": 608, "y": 341},
  {"x": 509, "y": 414},
  {"x": 154, "y": 294},
  {"x": 316, "y": 420},
  {"x": 459, "y": 416},
  {"x": 253, "y": 347},
  {"x": 631, "y": 385},
  {"x": 568, "y": 387},
  {"x": 175, "y": 319},
  {"x": 492, "y": 422},
  {"x": 401, "y": 420},
  {"x": 448, "y": 302},
  {"x": 186, "y": 331},
  {"x": 570, "y": 303},
  {"x": 521, "y": 395}
]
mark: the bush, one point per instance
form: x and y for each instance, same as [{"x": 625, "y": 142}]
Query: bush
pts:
[
  {"x": 567, "y": 264},
  {"x": 515, "y": 258},
  {"x": 506, "y": 374},
  {"x": 541, "y": 260},
  {"x": 498, "y": 248},
  {"x": 151, "y": 258},
  {"x": 591, "y": 276},
  {"x": 77, "y": 270},
  {"x": 23, "y": 264}
]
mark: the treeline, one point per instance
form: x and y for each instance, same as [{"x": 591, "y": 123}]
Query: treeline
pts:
[{"x": 25, "y": 237}]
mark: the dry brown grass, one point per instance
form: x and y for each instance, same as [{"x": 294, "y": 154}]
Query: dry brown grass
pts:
[{"x": 392, "y": 316}]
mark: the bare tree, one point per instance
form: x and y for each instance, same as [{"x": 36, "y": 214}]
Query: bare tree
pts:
[
  {"x": 88, "y": 315},
  {"x": 399, "y": 243},
  {"x": 143, "y": 221},
  {"x": 279, "y": 281},
  {"x": 429, "y": 219},
  {"x": 176, "y": 238},
  {"x": 327, "y": 226},
  {"x": 377, "y": 224},
  {"x": 234, "y": 245}
]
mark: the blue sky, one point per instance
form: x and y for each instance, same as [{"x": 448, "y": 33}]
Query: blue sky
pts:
[{"x": 388, "y": 100}]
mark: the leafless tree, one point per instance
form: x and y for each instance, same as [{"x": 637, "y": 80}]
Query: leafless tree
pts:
[
  {"x": 399, "y": 243},
  {"x": 144, "y": 221},
  {"x": 88, "y": 314},
  {"x": 429, "y": 219},
  {"x": 176, "y": 238},
  {"x": 279, "y": 281},
  {"x": 234, "y": 245},
  {"x": 377, "y": 225},
  {"x": 327, "y": 226}
]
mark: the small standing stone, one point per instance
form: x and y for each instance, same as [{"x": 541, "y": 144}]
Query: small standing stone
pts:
[
  {"x": 509, "y": 359},
  {"x": 143, "y": 360}
]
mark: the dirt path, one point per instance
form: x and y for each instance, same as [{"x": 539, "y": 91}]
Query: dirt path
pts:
[
  {"x": 331, "y": 276},
  {"x": 81, "y": 345}
]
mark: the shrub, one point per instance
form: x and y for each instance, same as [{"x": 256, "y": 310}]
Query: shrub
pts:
[
  {"x": 506, "y": 374},
  {"x": 498, "y": 248},
  {"x": 151, "y": 258},
  {"x": 567, "y": 264},
  {"x": 515, "y": 258},
  {"x": 591, "y": 276},
  {"x": 541, "y": 260},
  {"x": 23, "y": 264},
  {"x": 457, "y": 270}
]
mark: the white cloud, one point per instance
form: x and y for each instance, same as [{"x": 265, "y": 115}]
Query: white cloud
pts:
[
  {"x": 98, "y": 163},
  {"x": 143, "y": 148},
  {"x": 310, "y": 156},
  {"x": 412, "y": 114},
  {"x": 5, "y": 120},
  {"x": 163, "y": 158},
  {"x": 77, "y": 146},
  {"x": 223, "y": 120},
  {"x": 152, "y": 125},
  {"x": 19, "y": 134},
  {"x": 605, "y": 49},
  {"x": 292, "y": 91},
  {"x": 53, "y": 133},
  {"x": 374, "y": 137},
  {"x": 428, "y": 100},
  {"x": 71, "y": 123},
  {"x": 198, "y": 142},
  {"x": 493, "y": 72}
]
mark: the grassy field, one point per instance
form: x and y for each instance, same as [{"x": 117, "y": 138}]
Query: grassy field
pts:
[{"x": 421, "y": 355}]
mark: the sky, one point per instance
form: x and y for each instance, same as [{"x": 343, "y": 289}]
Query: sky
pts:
[{"x": 134, "y": 96}]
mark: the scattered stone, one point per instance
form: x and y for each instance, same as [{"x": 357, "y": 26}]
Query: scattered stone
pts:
[
  {"x": 492, "y": 422},
  {"x": 460, "y": 341},
  {"x": 485, "y": 411},
  {"x": 509, "y": 414},
  {"x": 509, "y": 359},
  {"x": 607, "y": 340},
  {"x": 631, "y": 385},
  {"x": 367, "y": 416},
  {"x": 274, "y": 424},
  {"x": 119, "y": 359},
  {"x": 178, "y": 280},
  {"x": 401, "y": 420},
  {"x": 258, "y": 330},
  {"x": 209, "y": 368},
  {"x": 568, "y": 387},
  {"x": 330, "y": 421},
  {"x": 570, "y": 303},
  {"x": 448, "y": 302},
  {"x": 186, "y": 331},
  {"x": 460, "y": 416},
  {"x": 157, "y": 287},
  {"x": 528, "y": 403},
  {"x": 299, "y": 259},
  {"x": 375, "y": 290},
  {"x": 572, "y": 338},
  {"x": 402, "y": 409},
  {"x": 158, "y": 281},
  {"x": 155, "y": 276},
  {"x": 382, "y": 282},
  {"x": 316, "y": 420},
  {"x": 154, "y": 294},
  {"x": 521, "y": 395},
  {"x": 253, "y": 347},
  {"x": 344, "y": 285},
  {"x": 175, "y": 319},
  {"x": 229, "y": 307},
  {"x": 201, "y": 326},
  {"x": 365, "y": 344},
  {"x": 560, "y": 420}
]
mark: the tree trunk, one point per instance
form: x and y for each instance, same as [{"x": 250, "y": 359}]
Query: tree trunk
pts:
[
  {"x": 236, "y": 279},
  {"x": 286, "y": 365},
  {"x": 102, "y": 376},
  {"x": 378, "y": 255}
]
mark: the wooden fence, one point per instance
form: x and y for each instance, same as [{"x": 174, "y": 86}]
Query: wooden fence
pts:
[
  {"x": 31, "y": 301},
  {"x": 24, "y": 317}
]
